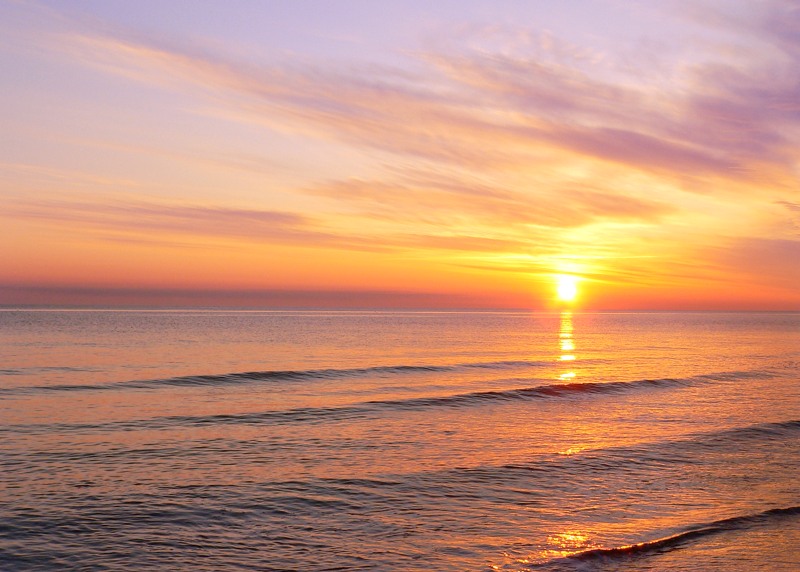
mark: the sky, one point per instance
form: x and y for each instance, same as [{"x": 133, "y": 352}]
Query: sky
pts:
[{"x": 453, "y": 154}]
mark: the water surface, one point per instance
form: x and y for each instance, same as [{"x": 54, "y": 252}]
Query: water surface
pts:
[{"x": 318, "y": 440}]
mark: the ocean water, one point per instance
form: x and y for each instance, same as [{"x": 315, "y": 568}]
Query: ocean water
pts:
[{"x": 317, "y": 440}]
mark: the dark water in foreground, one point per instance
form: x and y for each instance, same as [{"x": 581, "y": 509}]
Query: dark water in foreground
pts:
[{"x": 213, "y": 440}]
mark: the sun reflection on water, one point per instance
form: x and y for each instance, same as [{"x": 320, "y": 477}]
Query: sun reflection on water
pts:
[
  {"x": 568, "y": 542},
  {"x": 571, "y": 451},
  {"x": 566, "y": 343},
  {"x": 556, "y": 545}
]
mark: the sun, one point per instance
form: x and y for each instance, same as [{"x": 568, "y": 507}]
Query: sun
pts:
[{"x": 566, "y": 287}]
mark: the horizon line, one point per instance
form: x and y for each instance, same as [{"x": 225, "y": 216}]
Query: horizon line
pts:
[
  {"x": 115, "y": 297},
  {"x": 10, "y": 307}
]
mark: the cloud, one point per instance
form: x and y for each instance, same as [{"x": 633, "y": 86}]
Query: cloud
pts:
[
  {"x": 176, "y": 225},
  {"x": 429, "y": 199},
  {"x": 149, "y": 221},
  {"x": 464, "y": 243},
  {"x": 770, "y": 262},
  {"x": 748, "y": 104},
  {"x": 490, "y": 111},
  {"x": 69, "y": 295},
  {"x": 774, "y": 23},
  {"x": 792, "y": 207}
]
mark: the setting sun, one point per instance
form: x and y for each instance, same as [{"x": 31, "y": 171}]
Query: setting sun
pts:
[{"x": 566, "y": 287}]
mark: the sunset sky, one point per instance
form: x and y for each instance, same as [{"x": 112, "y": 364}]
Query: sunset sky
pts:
[{"x": 401, "y": 154}]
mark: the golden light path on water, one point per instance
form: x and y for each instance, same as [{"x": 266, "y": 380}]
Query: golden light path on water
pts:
[{"x": 566, "y": 343}]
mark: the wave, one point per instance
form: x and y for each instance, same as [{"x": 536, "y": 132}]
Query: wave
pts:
[
  {"x": 235, "y": 378},
  {"x": 527, "y": 393},
  {"x": 689, "y": 534},
  {"x": 560, "y": 390},
  {"x": 665, "y": 457},
  {"x": 759, "y": 430},
  {"x": 370, "y": 408},
  {"x": 45, "y": 369}
]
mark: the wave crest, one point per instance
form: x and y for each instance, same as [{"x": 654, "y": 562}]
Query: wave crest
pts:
[{"x": 689, "y": 534}]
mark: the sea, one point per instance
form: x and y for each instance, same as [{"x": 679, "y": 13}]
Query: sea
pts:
[{"x": 215, "y": 440}]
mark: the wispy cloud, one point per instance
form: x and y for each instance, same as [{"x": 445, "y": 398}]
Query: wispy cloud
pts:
[
  {"x": 151, "y": 223},
  {"x": 147, "y": 219},
  {"x": 488, "y": 112},
  {"x": 432, "y": 200},
  {"x": 752, "y": 259}
]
